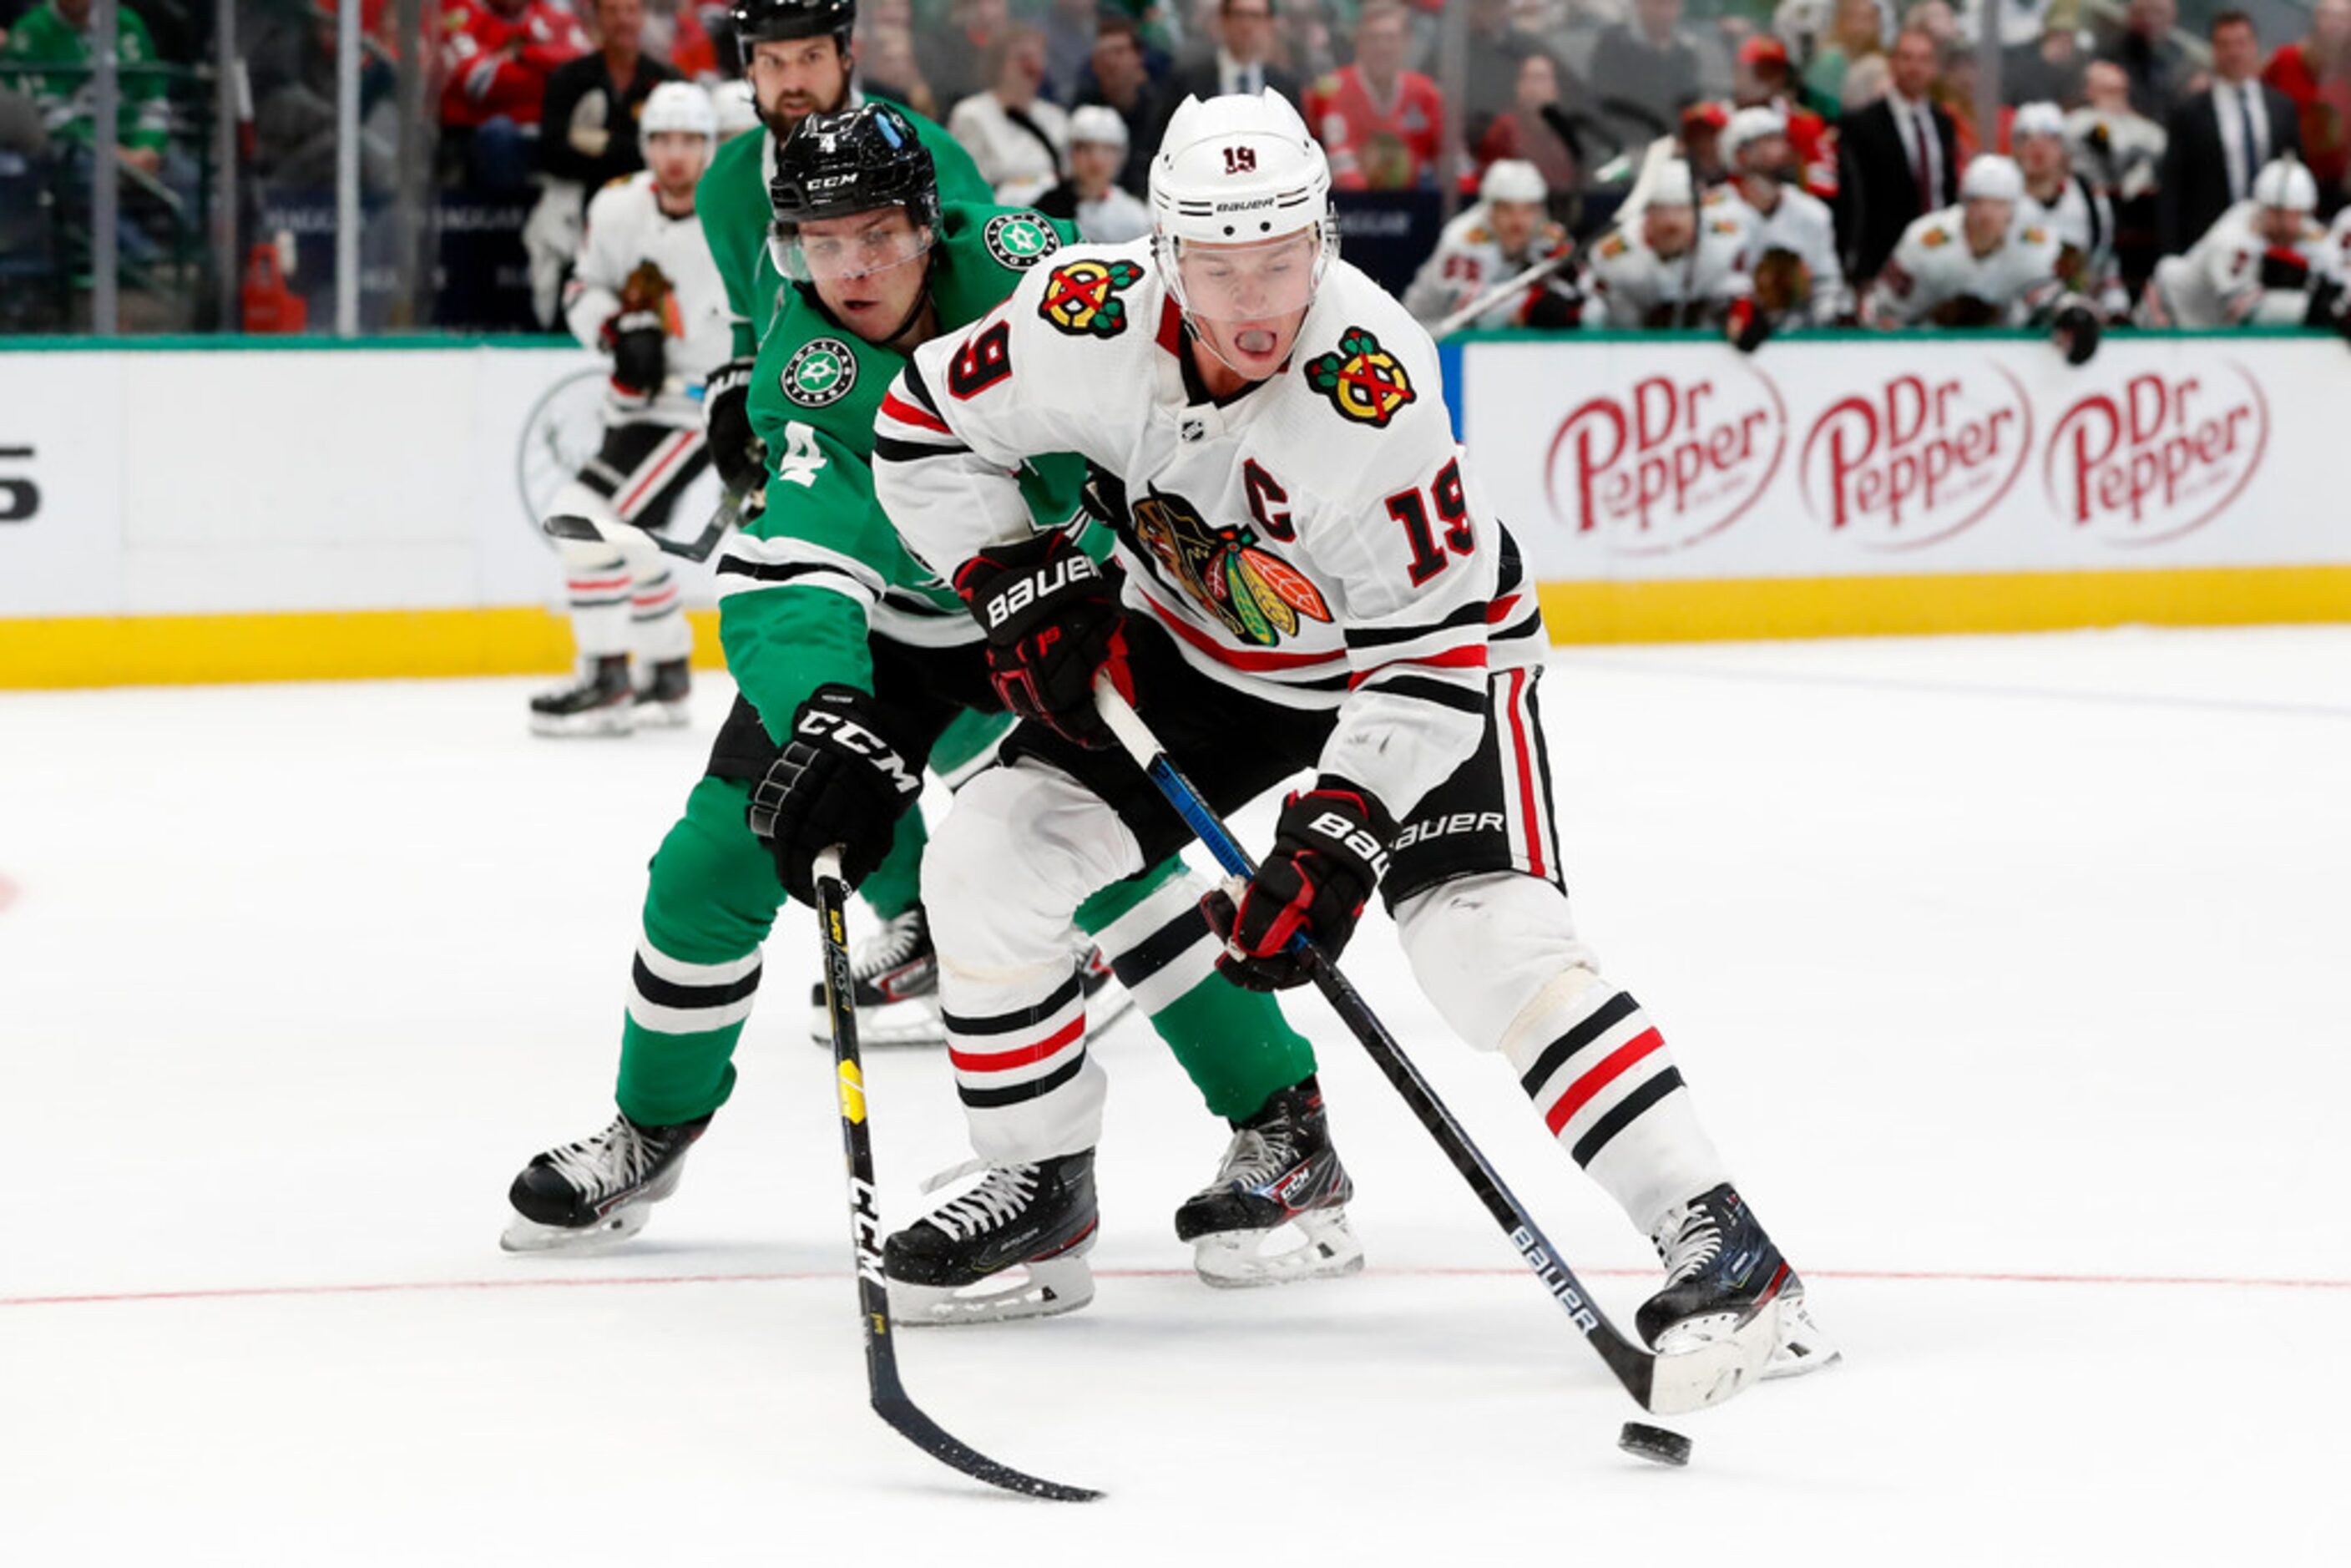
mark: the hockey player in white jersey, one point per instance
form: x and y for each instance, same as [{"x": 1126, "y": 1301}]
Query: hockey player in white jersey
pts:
[
  {"x": 1792, "y": 251},
  {"x": 1508, "y": 231},
  {"x": 1306, "y": 579},
  {"x": 1975, "y": 264},
  {"x": 2072, "y": 209},
  {"x": 645, "y": 292},
  {"x": 1674, "y": 265},
  {"x": 2264, "y": 263}
]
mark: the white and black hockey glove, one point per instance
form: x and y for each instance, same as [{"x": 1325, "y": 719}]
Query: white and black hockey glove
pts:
[
  {"x": 736, "y": 450},
  {"x": 844, "y": 780},
  {"x": 1330, "y": 850},
  {"x": 1052, "y": 620}
]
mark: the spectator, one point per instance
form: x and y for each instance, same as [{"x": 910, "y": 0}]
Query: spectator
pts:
[
  {"x": 2116, "y": 148},
  {"x": 2315, "y": 72},
  {"x": 1867, "y": 81},
  {"x": 1534, "y": 128},
  {"x": 593, "y": 102},
  {"x": 1069, "y": 28},
  {"x": 1494, "y": 49},
  {"x": 2264, "y": 262},
  {"x": 497, "y": 56},
  {"x": 1507, "y": 232},
  {"x": 1897, "y": 161},
  {"x": 1019, "y": 141},
  {"x": 1090, "y": 197},
  {"x": 954, "y": 58},
  {"x": 2218, "y": 140},
  {"x": 2157, "y": 67},
  {"x": 2068, "y": 207},
  {"x": 1954, "y": 92},
  {"x": 1118, "y": 81},
  {"x": 1763, "y": 80},
  {"x": 1973, "y": 264},
  {"x": 2046, "y": 67},
  {"x": 1857, "y": 33},
  {"x": 1243, "y": 61},
  {"x": 1379, "y": 122},
  {"x": 1665, "y": 267},
  {"x": 1645, "y": 71},
  {"x": 1791, "y": 234},
  {"x": 888, "y": 68}
]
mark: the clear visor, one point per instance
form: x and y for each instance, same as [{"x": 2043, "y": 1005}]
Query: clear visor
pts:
[
  {"x": 1255, "y": 282},
  {"x": 837, "y": 257}
]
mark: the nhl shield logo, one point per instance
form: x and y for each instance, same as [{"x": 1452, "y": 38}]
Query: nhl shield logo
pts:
[
  {"x": 821, "y": 373},
  {"x": 1082, "y": 300},
  {"x": 1362, "y": 381},
  {"x": 1020, "y": 240}
]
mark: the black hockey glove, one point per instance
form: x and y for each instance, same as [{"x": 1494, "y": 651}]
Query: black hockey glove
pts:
[
  {"x": 2283, "y": 268},
  {"x": 1746, "y": 326},
  {"x": 636, "y": 341},
  {"x": 1052, "y": 620},
  {"x": 735, "y": 451},
  {"x": 842, "y": 781},
  {"x": 1330, "y": 850},
  {"x": 2075, "y": 329}
]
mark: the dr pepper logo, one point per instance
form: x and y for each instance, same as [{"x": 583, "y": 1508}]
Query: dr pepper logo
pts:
[
  {"x": 2157, "y": 456},
  {"x": 1915, "y": 459},
  {"x": 1671, "y": 461}
]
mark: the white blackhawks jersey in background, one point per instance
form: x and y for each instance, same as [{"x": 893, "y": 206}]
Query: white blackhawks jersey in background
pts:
[
  {"x": 2083, "y": 224},
  {"x": 626, "y": 227},
  {"x": 2218, "y": 283},
  {"x": 1801, "y": 224},
  {"x": 1933, "y": 266},
  {"x": 1317, "y": 541},
  {"x": 1626, "y": 284},
  {"x": 1468, "y": 260}
]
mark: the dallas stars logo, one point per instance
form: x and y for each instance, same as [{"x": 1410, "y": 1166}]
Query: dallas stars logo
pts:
[
  {"x": 1081, "y": 298},
  {"x": 1363, "y": 380},
  {"x": 1020, "y": 240},
  {"x": 821, "y": 373}
]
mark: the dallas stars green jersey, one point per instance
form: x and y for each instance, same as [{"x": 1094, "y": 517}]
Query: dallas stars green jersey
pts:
[
  {"x": 804, "y": 584},
  {"x": 67, "y": 96},
  {"x": 732, "y": 198}
]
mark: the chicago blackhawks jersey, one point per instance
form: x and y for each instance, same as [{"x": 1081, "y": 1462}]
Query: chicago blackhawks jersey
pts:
[
  {"x": 1314, "y": 541},
  {"x": 1626, "y": 284},
  {"x": 1934, "y": 275},
  {"x": 496, "y": 63},
  {"x": 1470, "y": 259},
  {"x": 628, "y": 233},
  {"x": 2220, "y": 282},
  {"x": 803, "y": 585},
  {"x": 2084, "y": 222},
  {"x": 1800, "y": 226}
]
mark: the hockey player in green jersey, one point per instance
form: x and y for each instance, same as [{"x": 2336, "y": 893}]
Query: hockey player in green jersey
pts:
[
  {"x": 798, "y": 60},
  {"x": 851, "y": 660}
]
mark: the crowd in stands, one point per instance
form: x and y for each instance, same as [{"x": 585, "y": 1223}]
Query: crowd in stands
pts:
[{"x": 2130, "y": 139}]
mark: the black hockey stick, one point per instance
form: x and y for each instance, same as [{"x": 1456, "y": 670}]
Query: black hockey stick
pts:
[
  {"x": 889, "y": 1400},
  {"x": 572, "y": 525},
  {"x": 1662, "y": 1384}
]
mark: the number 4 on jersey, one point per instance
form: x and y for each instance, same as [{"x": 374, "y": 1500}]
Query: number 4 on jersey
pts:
[{"x": 802, "y": 461}]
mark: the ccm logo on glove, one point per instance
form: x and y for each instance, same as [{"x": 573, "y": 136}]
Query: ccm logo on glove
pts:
[{"x": 840, "y": 730}]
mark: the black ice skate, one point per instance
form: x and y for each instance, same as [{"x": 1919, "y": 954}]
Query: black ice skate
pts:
[
  {"x": 1280, "y": 1178},
  {"x": 1722, "y": 1272},
  {"x": 894, "y": 981},
  {"x": 1012, "y": 1246},
  {"x": 598, "y": 701},
  {"x": 663, "y": 702},
  {"x": 598, "y": 1190}
]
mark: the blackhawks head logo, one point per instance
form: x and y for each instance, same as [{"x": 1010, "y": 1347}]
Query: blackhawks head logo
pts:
[
  {"x": 821, "y": 373},
  {"x": 1258, "y": 596},
  {"x": 1082, "y": 300},
  {"x": 1020, "y": 240},
  {"x": 1363, "y": 380}
]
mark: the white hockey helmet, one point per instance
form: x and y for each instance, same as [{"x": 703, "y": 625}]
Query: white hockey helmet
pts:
[
  {"x": 1670, "y": 186},
  {"x": 1751, "y": 124},
  {"x": 1513, "y": 180},
  {"x": 2038, "y": 119},
  {"x": 1992, "y": 177},
  {"x": 737, "y": 106},
  {"x": 676, "y": 106},
  {"x": 2286, "y": 183},
  {"x": 1097, "y": 125},
  {"x": 1237, "y": 170}
]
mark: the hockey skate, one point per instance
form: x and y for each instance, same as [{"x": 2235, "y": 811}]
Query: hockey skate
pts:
[
  {"x": 1013, "y": 1247},
  {"x": 1280, "y": 1182},
  {"x": 1722, "y": 1272},
  {"x": 599, "y": 1190},
  {"x": 895, "y": 982},
  {"x": 598, "y": 701},
  {"x": 665, "y": 701}
]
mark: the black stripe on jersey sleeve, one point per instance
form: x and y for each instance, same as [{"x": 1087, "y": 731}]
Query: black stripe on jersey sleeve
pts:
[
  {"x": 1425, "y": 688},
  {"x": 1388, "y": 636},
  {"x": 918, "y": 389},
  {"x": 889, "y": 449},
  {"x": 1007, "y": 1023}
]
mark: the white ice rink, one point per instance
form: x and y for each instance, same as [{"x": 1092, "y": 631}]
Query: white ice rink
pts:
[{"x": 2011, "y": 974}]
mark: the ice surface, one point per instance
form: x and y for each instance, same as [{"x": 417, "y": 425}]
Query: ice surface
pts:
[{"x": 2011, "y": 974}]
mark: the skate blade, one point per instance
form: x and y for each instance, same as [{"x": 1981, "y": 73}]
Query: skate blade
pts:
[
  {"x": 908, "y": 1023},
  {"x": 1041, "y": 1289},
  {"x": 652, "y": 714},
  {"x": 612, "y": 721},
  {"x": 529, "y": 1236},
  {"x": 1803, "y": 1346},
  {"x": 1322, "y": 1246}
]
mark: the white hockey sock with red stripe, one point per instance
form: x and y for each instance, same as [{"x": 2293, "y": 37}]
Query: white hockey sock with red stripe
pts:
[
  {"x": 598, "y": 586},
  {"x": 1029, "y": 1088},
  {"x": 657, "y": 615}
]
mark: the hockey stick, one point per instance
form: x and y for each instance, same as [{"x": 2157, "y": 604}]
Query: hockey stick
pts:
[
  {"x": 889, "y": 1400},
  {"x": 572, "y": 525},
  {"x": 1662, "y": 1384},
  {"x": 1499, "y": 292}
]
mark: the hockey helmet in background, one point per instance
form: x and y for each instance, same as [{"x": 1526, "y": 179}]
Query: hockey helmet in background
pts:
[
  {"x": 678, "y": 106},
  {"x": 2041, "y": 118},
  {"x": 1670, "y": 186},
  {"x": 1097, "y": 125},
  {"x": 838, "y": 165},
  {"x": 1514, "y": 180},
  {"x": 2286, "y": 183},
  {"x": 1237, "y": 170},
  {"x": 1992, "y": 177},
  {"x": 1747, "y": 126}
]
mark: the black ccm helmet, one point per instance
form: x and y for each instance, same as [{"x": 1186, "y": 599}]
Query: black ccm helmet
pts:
[
  {"x": 758, "y": 21},
  {"x": 838, "y": 165}
]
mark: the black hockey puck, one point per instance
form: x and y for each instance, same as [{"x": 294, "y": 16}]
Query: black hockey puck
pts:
[{"x": 1653, "y": 1444}]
